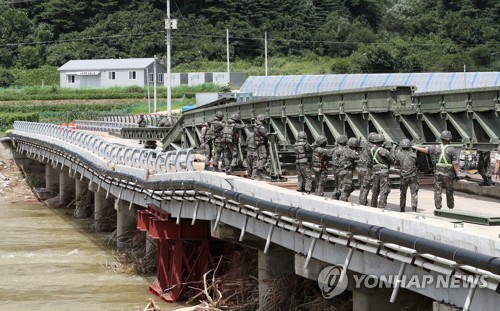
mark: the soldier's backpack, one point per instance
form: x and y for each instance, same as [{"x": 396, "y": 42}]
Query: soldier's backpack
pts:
[{"x": 227, "y": 133}]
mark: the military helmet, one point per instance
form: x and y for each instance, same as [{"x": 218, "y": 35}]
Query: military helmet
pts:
[
  {"x": 405, "y": 143},
  {"x": 219, "y": 115},
  {"x": 446, "y": 135},
  {"x": 261, "y": 118},
  {"x": 302, "y": 135},
  {"x": 236, "y": 117},
  {"x": 321, "y": 140},
  {"x": 371, "y": 136},
  {"x": 342, "y": 139},
  {"x": 379, "y": 138},
  {"x": 353, "y": 142}
]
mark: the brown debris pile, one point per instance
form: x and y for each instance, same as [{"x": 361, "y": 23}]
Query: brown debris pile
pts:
[{"x": 137, "y": 259}]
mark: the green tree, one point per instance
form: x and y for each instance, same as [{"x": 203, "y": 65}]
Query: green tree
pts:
[{"x": 6, "y": 78}]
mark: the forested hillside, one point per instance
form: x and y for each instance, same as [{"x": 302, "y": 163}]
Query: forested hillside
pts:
[{"x": 358, "y": 35}]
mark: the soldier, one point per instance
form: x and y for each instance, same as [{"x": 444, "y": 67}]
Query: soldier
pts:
[
  {"x": 407, "y": 162},
  {"x": 216, "y": 129},
  {"x": 348, "y": 160},
  {"x": 381, "y": 160},
  {"x": 251, "y": 154},
  {"x": 337, "y": 151},
  {"x": 142, "y": 123},
  {"x": 484, "y": 167},
  {"x": 302, "y": 154},
  {"x": 260, "y": 138},
  {"x": 206, "y": 143},
  {"x": 320, "y": 164},
  {"x": 165, "y": 122},
  {"x": 230, "y": 139},
  {"x": 364, "y": 169},
  {"x": 497, "y": 165},
  {"x": 445, "y": 159}
]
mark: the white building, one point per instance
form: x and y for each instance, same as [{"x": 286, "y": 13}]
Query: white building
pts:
[{"x": 103, "y": 73}]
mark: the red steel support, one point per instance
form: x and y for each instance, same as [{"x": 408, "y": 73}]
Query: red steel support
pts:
[{"x": 183, "y": 252}]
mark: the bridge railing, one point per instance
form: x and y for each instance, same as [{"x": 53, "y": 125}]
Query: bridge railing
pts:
[
  {"x": 142, "y": 158},
  {"x": 103, "y": 126}
]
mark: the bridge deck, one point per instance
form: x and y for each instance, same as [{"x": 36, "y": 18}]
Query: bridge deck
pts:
[{"x": 463, "y": 201}]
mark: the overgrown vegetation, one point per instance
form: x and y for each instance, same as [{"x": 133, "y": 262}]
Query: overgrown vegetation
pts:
[
  {"x": 354, "y": 36},
  {"x": 54, "y": 92}
]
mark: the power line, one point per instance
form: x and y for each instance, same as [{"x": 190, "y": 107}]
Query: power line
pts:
[{"x": 231, "y": 38}]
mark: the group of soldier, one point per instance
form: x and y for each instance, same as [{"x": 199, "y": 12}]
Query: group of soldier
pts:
[
  {"x": 372, "y": 163},
  {"x": 370, "y": 159},
  {"x": 220, "y": 140}
]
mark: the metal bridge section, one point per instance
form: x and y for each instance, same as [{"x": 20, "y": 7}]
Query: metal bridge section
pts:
[
  {"x": 472, "y": 116},
  {"x": 103, "y": 126},
  {"x": 366, "y": 240}
]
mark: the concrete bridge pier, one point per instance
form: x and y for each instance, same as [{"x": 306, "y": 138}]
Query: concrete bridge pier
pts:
[
  {"x": 275, "y": 262},
  {"x": 84, "y": 199},
  {"x": 126, "y": 223},
  {"x": 66, "y": 188},
  {"x": 51, "y": 179},
  {"x": 374, "y": 299},
  {"x": 102, "y": 210}
]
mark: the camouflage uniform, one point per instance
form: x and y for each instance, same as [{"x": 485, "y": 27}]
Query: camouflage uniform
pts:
[
  {"x": 407, "y": 162},
  {"x": 348, "y": 159},
  {"x": 381, "y": 160},
  {"x": 216, "y": 129},
  {"x": 364, "y": 169},
  {"x": 444, "y": 157},
  {"x": 206, "y": 143},
  {"x": 165, "y": 122},
  {"x": 230, "y": 140},
  {"x": 260, "y": 138},
  {"x": 304, "y": 174},
  {"x": 251, "y": 155},
  {"x": 320, "y": 164},
  {"x": 141, "y": 123},
  {"x": 484, "y": 167},
  {"x": 336, "y": 152}
]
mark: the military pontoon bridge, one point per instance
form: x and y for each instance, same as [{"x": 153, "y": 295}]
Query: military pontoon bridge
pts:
[{"x": 472, "y": 115}]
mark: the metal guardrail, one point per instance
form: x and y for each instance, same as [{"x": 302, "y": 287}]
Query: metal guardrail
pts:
[
  {"x": 103, "y": 126},
  {"x": 151, "y": 160}
]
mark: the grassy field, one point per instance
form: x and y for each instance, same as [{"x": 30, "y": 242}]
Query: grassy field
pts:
[{"x": 53, "y": 92}]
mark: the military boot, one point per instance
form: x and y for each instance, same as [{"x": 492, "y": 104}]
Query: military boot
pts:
[
  {"x": 487, "y": 182},
  {"x": 207, "y": 167},
  {"x": 414, "y": 209},
  {"x": 216, "y": 169}
]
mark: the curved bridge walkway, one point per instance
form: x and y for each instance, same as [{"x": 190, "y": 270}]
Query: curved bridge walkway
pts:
[{"x": 161, "y": 193}]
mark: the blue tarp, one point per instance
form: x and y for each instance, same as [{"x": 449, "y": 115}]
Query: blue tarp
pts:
[{"x": 424, "y": 82}]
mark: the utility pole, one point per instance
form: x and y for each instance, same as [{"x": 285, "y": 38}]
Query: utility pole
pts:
[
  {"x": 169, "y": 25},
  {"x": 155, "y": 110},
  {"x": 149, "y": 97},
  {"x": 465, "y": 76},
  {"x": 265, "y": 50},
  {"x": 227, "y": 51}
]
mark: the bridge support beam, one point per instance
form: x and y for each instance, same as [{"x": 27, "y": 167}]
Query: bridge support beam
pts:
[
  {"x": 51, "y": 179},
  {"x": 103, "y": 208},
  {"x": 274, "y": 263},
  {"x": 84, "y": 200},
  {"x": 66, "y": 188},
  {"x": 125, "y": 223}
]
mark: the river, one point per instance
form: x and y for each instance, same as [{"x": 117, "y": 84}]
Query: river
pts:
[{"x": 49, "y": 262}]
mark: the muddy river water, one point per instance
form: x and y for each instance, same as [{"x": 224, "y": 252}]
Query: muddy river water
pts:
[{"x": 49, "y": 262}]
